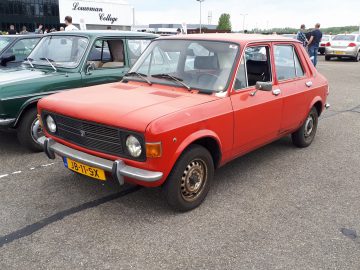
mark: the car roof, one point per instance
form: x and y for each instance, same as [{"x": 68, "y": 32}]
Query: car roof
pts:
[
  {"x": 104, "y": 33},
  {"x": 233, "y": 37},
  {"x": 21, "y": 36}
]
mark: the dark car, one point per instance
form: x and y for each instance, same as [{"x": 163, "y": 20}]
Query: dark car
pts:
[
  {"x": 15, "y": 48},
  {"x": 61, "y": 61}
]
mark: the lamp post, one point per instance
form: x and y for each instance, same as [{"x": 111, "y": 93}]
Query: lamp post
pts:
[
  {"x": 244, "y": 15},
  {"x": 200, "y": 1}
]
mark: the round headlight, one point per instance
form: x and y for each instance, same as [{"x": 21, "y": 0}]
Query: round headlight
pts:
[
  {"x": 133, "y": 146},
  {"x": 50, "y": 123}
]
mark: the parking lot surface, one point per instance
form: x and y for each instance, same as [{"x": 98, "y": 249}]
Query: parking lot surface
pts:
[{"x": 279, "y": 207}]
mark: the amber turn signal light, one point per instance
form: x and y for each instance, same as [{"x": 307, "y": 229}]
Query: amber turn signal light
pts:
[{"x": 153, "y": 150}]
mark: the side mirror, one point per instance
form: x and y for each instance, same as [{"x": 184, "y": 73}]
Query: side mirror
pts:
[
  {"x": 264, "y": 86},
  {"x": 89, "y": 68},
  {"x": 6, "y": 59}
]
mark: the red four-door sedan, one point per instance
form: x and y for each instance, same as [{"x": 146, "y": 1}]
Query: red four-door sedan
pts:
[{"x": 189, "y": 105}]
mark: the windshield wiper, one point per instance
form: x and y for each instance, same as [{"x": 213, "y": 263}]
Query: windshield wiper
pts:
[
  {"x": 49, "y": 61},
  {"x": 173, "y": 78},
  {"x": 29, "y": 60},
  {"x": 140, "y": 75}
]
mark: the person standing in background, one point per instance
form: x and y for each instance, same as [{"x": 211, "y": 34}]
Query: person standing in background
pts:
[
  {"x": 314, "y": 41},
  {"x": 39, "y": 29},
  {"x": 12, "y": 30},
  {"x": 69, "y": 25},
  {"x": 300, "y": 36},
  {"x": 24, "y": 31}
]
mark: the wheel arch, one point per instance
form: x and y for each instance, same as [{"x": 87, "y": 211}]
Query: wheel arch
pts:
[
  {"x": 318, "y": 104},
  {"x": 206, "y": 138},
  {"x": 29, "y": 104}
]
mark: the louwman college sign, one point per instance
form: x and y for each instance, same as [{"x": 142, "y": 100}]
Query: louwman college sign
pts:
[{"x": 96, "y": 12}]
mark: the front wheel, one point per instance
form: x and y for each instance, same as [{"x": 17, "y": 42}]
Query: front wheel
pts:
[
  {"x": 29, "y": 130},
  {"x": 304, "y": 136},
  {"x": 189, "y": 181}
]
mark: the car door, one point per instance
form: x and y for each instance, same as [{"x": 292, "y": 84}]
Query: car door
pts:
[
  {"x": 257, "y": 114},
  {"x": 294, "y": 82},
  {"x": 106, "y": 62}
]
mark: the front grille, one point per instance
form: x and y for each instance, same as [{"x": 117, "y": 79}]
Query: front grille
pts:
[{"x": 89, "y": 135}]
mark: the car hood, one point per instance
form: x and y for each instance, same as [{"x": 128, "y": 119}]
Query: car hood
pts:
[
  {"x": 20, "y": 74},
  {"x": 122, "y": 105}
]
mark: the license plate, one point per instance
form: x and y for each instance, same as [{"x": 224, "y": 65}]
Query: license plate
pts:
[
  {"x": 78, "y": 167},
  {"x": 337, "y": 52}
]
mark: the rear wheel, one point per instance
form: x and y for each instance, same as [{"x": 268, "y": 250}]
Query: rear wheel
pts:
[
  {"x": 357, "y": 57},
  {"x": 189, "y": 181},
  {"x": 305, "y": 135},
  {"x": 29, "y": 130}
]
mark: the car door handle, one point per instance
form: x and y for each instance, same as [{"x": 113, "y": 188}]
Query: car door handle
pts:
[
  {"x": 309, "y": 83},
  {"x": 276, "y": 92}
]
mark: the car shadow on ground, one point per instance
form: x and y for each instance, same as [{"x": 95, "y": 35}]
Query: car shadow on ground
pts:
[{"x": 9, "y": 144}]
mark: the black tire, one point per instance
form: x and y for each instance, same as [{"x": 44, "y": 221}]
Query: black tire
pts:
[
  {"x": 181, "y": 191},
  {"x": 357, "y": 57},
  {"x": 327, "y": 58},
  {"x": 24, "y": 131},
  {"x": 305, "y": 135}
]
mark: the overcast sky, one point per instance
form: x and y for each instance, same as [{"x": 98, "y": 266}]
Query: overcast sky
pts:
[{"x": 261, "y": 13}]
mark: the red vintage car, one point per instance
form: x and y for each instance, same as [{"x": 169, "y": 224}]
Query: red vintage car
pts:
[{"x": 189, "y": 105}]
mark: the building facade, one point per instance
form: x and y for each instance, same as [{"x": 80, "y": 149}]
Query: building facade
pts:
[{"x": 92, "y": 14}]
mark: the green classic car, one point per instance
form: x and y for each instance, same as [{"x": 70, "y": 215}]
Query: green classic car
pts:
[{"x": 60, "y": 61}]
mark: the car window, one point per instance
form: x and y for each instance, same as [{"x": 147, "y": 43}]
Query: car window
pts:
[
  {"x": 4, "y": 41},
  {"x": 344, "y": 37},
  {"x": 358, "y": 39},
  {"x": 22, "y": 48},
  {"x": 62, "y": 51},
  {"x": 136, "y": 48},
  {"x": 240, "y": 81},
  {"x": 203, "y": 65},
  {"x": 107, "y": 54},
  {"x": 287, "y": 63}
]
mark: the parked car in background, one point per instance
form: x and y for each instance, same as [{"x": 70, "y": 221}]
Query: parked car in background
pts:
[
  {"x": 343, "y": 46},
  {"x": 293, "y": 36},
  {"x": 60, "y": 61},
  {"x": 325, "y": 39},
  {"x": 15, "y": 48},
  {"x": 172, "y": 123}
]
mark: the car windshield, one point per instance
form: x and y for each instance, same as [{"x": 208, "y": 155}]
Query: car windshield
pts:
[
  {"x": 195, "y": 64},
  {"x": 61, "y": 51},
  {"x": 344, "y": 37},
  {"x": 4, "y": 41}
]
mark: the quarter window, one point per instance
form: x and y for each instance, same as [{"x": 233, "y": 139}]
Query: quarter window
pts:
[{"x": 287, "y": 63}]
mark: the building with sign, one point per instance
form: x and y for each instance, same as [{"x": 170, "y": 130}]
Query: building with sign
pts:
[{"x": 92, "y": 14}]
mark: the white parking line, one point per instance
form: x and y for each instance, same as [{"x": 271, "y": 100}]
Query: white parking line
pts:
[{"x": 30, "y": 169}]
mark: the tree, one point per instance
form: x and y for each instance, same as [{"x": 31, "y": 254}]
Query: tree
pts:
[{"x": 224, "y": 22}]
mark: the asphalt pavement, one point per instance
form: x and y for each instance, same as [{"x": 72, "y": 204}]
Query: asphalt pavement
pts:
[{"x": 276, "y": 208}]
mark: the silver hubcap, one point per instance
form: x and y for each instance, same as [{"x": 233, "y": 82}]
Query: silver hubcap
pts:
[
  {"x": 193, "y": 180},
  {"x": 36, "y": 130},
  {"x": 309, "y": 126}
]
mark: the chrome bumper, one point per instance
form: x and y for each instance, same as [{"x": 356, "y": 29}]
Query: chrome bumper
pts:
[{"x": 117, "y": 168}]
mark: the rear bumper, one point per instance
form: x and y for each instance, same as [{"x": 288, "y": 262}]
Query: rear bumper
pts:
[
  {"x": 341, "y": 52},
  {"x": 117, "y": 168}
]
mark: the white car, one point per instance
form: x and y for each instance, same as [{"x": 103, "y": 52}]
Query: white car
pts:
[{"x": 343, "y": 46}]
